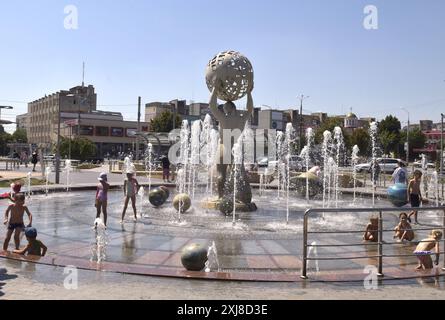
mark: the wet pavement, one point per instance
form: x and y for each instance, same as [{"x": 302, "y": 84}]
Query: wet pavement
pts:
[{"x": 261, "y": 247}]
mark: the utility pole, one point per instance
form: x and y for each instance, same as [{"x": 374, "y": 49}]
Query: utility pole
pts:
[
  {"x": 139, "y": 128},
  {"x": 441, "y": 152},
  {"x": 300, "y": 134},
  {"x": 407, "y": 137},
  {"x": 58, "y": 144}
]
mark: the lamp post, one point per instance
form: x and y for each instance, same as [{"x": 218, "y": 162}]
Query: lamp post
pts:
[
  {"x": 407, "y": 137},
  {"x": 58, "y": 144},
  {"x": 441, "y": 151},
  {"x": 300, "y": 134}
]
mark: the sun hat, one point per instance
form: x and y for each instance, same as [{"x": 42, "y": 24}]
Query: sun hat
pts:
[
  {"x": 31, "y": 232},
  {"x": 103, "y": 177}
]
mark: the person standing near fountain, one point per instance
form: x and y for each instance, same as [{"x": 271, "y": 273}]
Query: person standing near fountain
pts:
[
  {"x": 165, "y": 169},
  {"x": 15, "y": 222},
  {"x": 400, "y": 175},
  {"x": 34, "y": 160},
  {"x": 414, "y": 194},
  {"x": 131, "y": 188},
  {"x": 102, "y": 198}
]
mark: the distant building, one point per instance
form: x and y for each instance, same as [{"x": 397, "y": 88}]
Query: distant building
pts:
[
  {"x": 21, "y": 121},
  {"x": 42, "y": 116},
  {"x": 432, "y": 144},
  {"x": 426, "y": 125}
]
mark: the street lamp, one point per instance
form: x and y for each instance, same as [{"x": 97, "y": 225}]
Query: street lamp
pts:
[
  {"x": 441, "y": 151},
  {"x": 407, "y": 137},
  {"x": 300, "y": 135}
]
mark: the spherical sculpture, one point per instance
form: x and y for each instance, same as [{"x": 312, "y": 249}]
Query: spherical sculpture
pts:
[
  {"x": 182, "y": 201},
  {"x": 225, "y": 206},
  {"x": 157, "y": 197},
  {"x": 167, "y": 192},
  {"x": 234, "y": 71},
  {"x": 194, "y": 257},
  {"x": 397, "y": 194}
]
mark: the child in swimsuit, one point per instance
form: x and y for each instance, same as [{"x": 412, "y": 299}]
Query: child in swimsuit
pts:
[
  {"x": 35, "y": 247},
  {"x": 102, "y": 198},
  {"x": 414, "y": 194},
  {"x": 15, "y": 222},
  {"x": 371, "y": 232},
  {"x": 403, "y": 231},
  {"x": 131, "y": 188},
  {"x": 423, "y": 250}
]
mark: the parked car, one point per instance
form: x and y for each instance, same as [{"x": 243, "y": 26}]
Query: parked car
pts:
[
  {"x": 430, "y": 165},
  {"x": 296, "y": 163},
  {"x": 387, "y": 165}
]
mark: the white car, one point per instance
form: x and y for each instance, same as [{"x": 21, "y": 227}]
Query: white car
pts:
[
  {"x": 387, "y": 165},
  {"x": 418, "y": 164}
]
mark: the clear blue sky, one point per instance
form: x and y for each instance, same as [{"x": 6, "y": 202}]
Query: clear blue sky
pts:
[{"x": 159, "y": 50}]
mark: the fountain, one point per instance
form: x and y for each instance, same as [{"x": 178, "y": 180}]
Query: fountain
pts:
[
  {"x": 68, "y": 169},
  {"x": 355, "y": 151},
  {"x": 307, "y": 157},
  {"x": 280, "y": 153},
  {"x": 313, "y": 253},
  {"x": 327, "y": 139},
  {"x": 101, "y": 241},
  {"x": 339, "y": 142},
  {"x": 287, "y": 142},
  {"x": 28, "y": 183},
  {"x": 237, "y": 163},
  {"x": 148, "y": 162},
  {"x": 434, "y": 187},
  {"x": 373, "y": 134},
  {"x": 424, "y": 164},
  {"x": 195, "y": 147},
  {"x": 212, "y": 262},
  {"x": 47, "y": 174}
]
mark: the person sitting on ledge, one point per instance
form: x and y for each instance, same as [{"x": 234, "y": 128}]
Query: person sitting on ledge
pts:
[
  {"x": 35, "y": 247},
  {"x": 403, "y": 231},
  {"x": 371, "y": 232},
  {"x": 423, "y": 250}
]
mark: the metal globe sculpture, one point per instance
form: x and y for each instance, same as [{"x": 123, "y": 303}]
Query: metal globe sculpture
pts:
[
  {"x": 157, "y": 197},
  {"x": 397, "y": 194},
  {"x": 194, "y": 257},
  {"x": 182, "y": 201},
  {"x": 234, "y": 71}
]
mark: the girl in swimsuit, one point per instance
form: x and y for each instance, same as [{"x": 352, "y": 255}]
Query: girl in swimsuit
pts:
[
  {"x": 102, "y": 198},
  {"x": 131, "y": 188}
]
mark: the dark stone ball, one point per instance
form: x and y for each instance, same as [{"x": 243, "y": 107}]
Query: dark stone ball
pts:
[
  {"x": 167, "y": 192},
  {"x": 194, "y": 257},
  {"x": 157, "y": 197}
]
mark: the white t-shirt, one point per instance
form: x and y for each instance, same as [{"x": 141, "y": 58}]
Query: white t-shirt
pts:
[{"x": 400, "y": 175}]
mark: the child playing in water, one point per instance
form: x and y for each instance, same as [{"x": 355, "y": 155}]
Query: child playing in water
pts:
[
  {"x": 423, "y": 250},
  {"x": 403, "y": 231},
  {"x": 414, "y": 194},
  {"x": 371, "y": 232},
  {"x": 34, "y": 247},
  {"x": 15, "y": 223},
  {"x": 102, "y": 198},
  {"x": 131, "y": 188},
  {"x": 15, "y": 188}
]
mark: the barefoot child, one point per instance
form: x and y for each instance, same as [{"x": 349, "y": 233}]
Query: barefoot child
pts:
[
  {"x": 15, "y": 222},
  {"x": 403, "y": 231},
  {"x": 102, "y": 198},
  {"x": 131, "y": 188},
  {"x": 414, "y": 194},
  {"x": 423, "y": 250},
  {"x": 34, "y": 247},
  {"x": 371, "y": 232}
]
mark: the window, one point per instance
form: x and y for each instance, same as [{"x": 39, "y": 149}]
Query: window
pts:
[
  {"x": 117, "y": 132},
  {"x": 131, "y": 133},
  {"x": 102, "y": 131},
  {"x": 86, "y": 130}
]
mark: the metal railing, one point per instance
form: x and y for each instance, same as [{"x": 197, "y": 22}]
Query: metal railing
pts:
[{"x": 379, "y": 242}]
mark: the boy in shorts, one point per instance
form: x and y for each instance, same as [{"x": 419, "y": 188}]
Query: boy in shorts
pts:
[{"x": 15, "y": 221}]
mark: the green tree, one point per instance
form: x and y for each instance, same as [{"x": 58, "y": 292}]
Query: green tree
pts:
[
  {"x": 5, "y": 138},
  {"x": 389, "y": 134},
  {"x": 81, "y": 148},
  {"x": 416, "y": 140},
  {"x": 327, "y": 125},
  {"x": 164, "y": 122},
  {"x": 20, "y": 136},
  {"x": 361, "y": 138}
]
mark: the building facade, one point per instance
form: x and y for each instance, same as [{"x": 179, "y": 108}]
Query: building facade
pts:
[{"x": 43, "y": 114}]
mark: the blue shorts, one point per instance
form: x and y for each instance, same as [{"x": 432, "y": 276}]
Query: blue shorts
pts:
[{"x": 13, "y": 226}]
